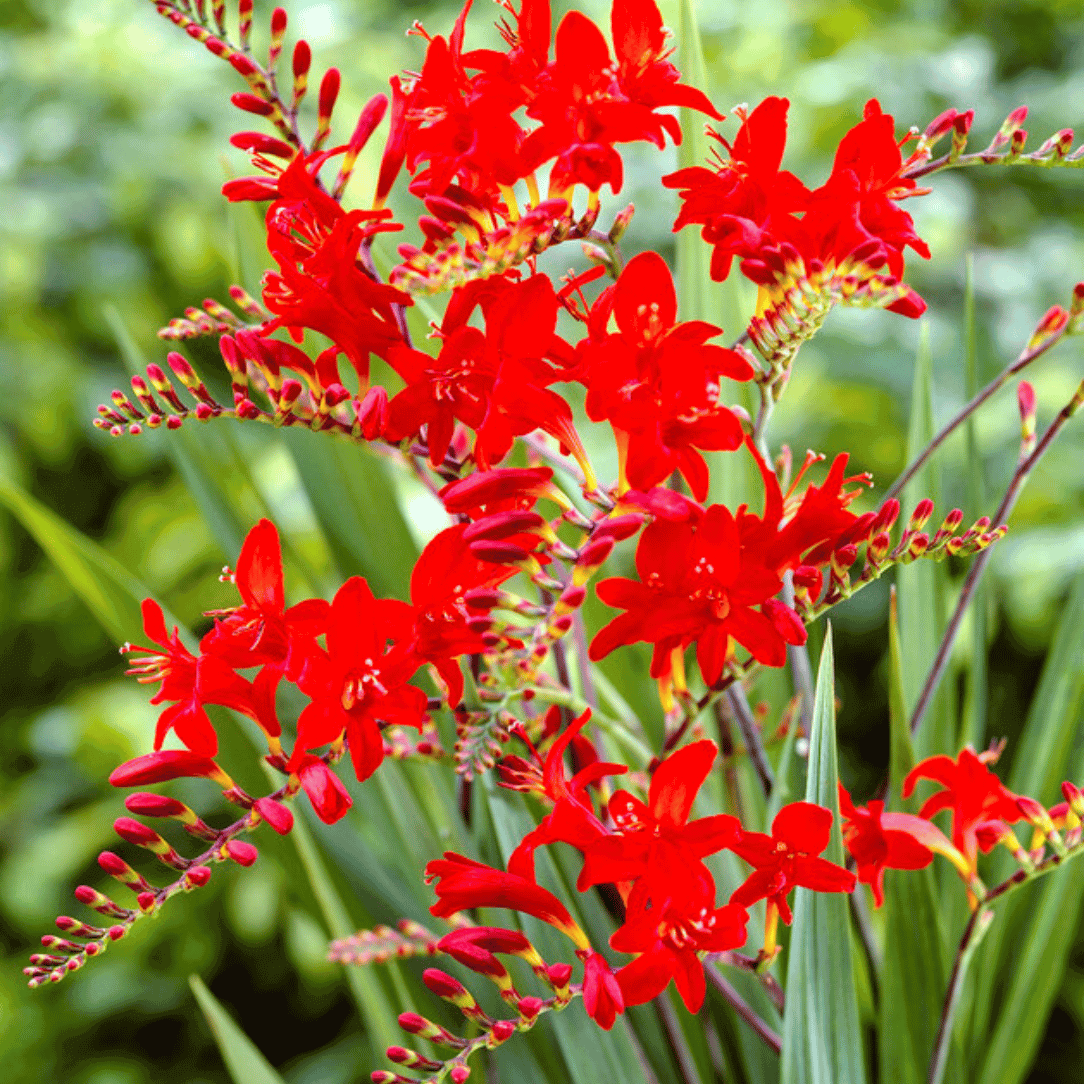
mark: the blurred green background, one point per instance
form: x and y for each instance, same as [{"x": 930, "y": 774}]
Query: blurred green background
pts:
[{"x": 113, "y": 130}]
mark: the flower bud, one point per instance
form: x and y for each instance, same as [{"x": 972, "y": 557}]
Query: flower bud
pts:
[
  {"x": 501, "y": 525},
  {"x": 196, "y": 877},
  {"x": 1072, "y": 794},
  {"x": 155, "y": 805},
  {"x": 372, "y": 413},
  {"x": 459, "y": 1074},
  {"x": 501, "y": 1032},
  {"x": 244, "y": 854},
  {"x": 276, "y": 814},
  {"x": 165, "y": 765},
  {"x": 1025, "y": 398},
  {"x": 920, "y": 516}
]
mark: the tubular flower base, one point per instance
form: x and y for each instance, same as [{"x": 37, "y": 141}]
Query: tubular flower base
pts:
[{"x": 492, "y": 643}]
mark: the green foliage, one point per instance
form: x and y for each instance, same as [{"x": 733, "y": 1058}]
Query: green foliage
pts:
[
  {"x": 822, "y": 1037},
  {"x": 244, "y": 1061}
]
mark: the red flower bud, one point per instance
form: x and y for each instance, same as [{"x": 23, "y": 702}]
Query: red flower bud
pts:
[
  {"x": 197, "y": 876},
  {"x": 502, "y": 524},
  {"x": 155, "y": 805},
  {"x": 165, "y": 765},
  {"x": 276, "y": 814},
  {"x": 135, "y": 832},
  {"x": 244, "y": 854},
  {"x": 372, "y": 413},
  {"x": 250, "y": 103},
  {"x": 618, "y": 527}
]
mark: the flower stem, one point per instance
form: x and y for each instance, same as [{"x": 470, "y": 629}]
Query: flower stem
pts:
[
  {"x": 973, "y": 933},
  {"x": 742, "y": 1007},
  {"x": 1024, "y": 359},
  {"x": 1016, "y": 485}
]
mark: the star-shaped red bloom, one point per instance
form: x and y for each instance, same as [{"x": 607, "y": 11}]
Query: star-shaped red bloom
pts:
[
  {"x": 658, "y": 381},
  {"x": 654, "y": 843},
  {"x": 878, "y": 841},
  {"x": 972, "y": 792},
  {"x": 361, "y": 680},
  {"x": 190, "y": 681},
  {"x": 262, "y": 631},
  {"x": 669, "y": 938},
  {"x": 788, "y": 859}
]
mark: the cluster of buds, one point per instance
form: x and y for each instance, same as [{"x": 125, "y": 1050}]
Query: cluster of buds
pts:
[
  {"x": 476, "y": 948},
  {"x": 1006, "y": 148},
  {"x": 382, "y": 943},
  {"x": 83, "y": 940},
  {"x": 913, "y": 544}
]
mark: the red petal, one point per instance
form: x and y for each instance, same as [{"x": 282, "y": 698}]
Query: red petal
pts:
[
  {"x": 677, "y": 780},
  {"x": 803, "y": 827},
  {"x": 259, "y": 569}
]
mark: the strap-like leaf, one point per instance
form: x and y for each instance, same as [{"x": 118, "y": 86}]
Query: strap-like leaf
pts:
[
  {"x": 914, "y": 977},
  {"x": 244, "y": 1062},
  {"x": 922, "y": 583},
  {"x": 822, "y": 1037}
]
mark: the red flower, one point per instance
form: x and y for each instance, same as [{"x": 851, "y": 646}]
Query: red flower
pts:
[
  {"x": 698, "y": 584},
  {"x": 360, "y": 681},
  {"x": 974, "y": 794},
  {"x": 658, "y": 381},
  {"x": 319, "y": 284},
  {"x": 654, "y": 844},
  {"x": 463, "y": 883},
  {"x": 586, "y": 103},
  {"x": 262, "y": 631},
  {"x": 190, "y": 682},
  {"x": 878, "y": 841},
  {"x": 858, "y": 203},
  {"x": 787, "y": 859},
  {"x": 445, "y": 573},
  {"x": 572, "y": 819},
  {"x": 670, "y": 937},
  {"x": 747, "y": 200}
]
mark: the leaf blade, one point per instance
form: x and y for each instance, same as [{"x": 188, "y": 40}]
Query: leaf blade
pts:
[
  {"x": 822, "y": 1035},
  {"x": 244, "y": 1062}
]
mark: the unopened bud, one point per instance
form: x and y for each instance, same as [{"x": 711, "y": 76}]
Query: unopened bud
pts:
[
  {"x": 559, "y": 975},
  {"x": 502, "y": 1031},
  {"x": 878, "y": 548},
  {"x": 372, "y": 413},
  {"x": 1072, "y": 794},
  {"x": 621, "y": 223},
  {"x": 917, "y": 545},
  {"x": 155, "y": 805},
  {"x": 244, "y": 854},
  {"x": 920, "y": 516},
  {"x": 276, "y": 814},
  {"x": 1053, "y": 323},
  {"x": 197, "y": 877},
  {"x": 459, "y": 1074},
  {"x": 1025, "y": 398},
  {"x": 529, "y": 1007},
  {"x": 501, "y": 525}
]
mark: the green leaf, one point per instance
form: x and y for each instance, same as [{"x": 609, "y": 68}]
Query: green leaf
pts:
[
  {"x": 1027, "y": 949},
  {"x": 380, "y": 1017},
  {"x": 358, "y": 508},
  {"x": 244, "y": 1062},
  {"x": 822, "y": 1037},
  {"x": 110, "y": 591},
  {"x": 922, "y": 584},
  {"x": 699, "y": 298},
  {"x": 914, "y": 977}
]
